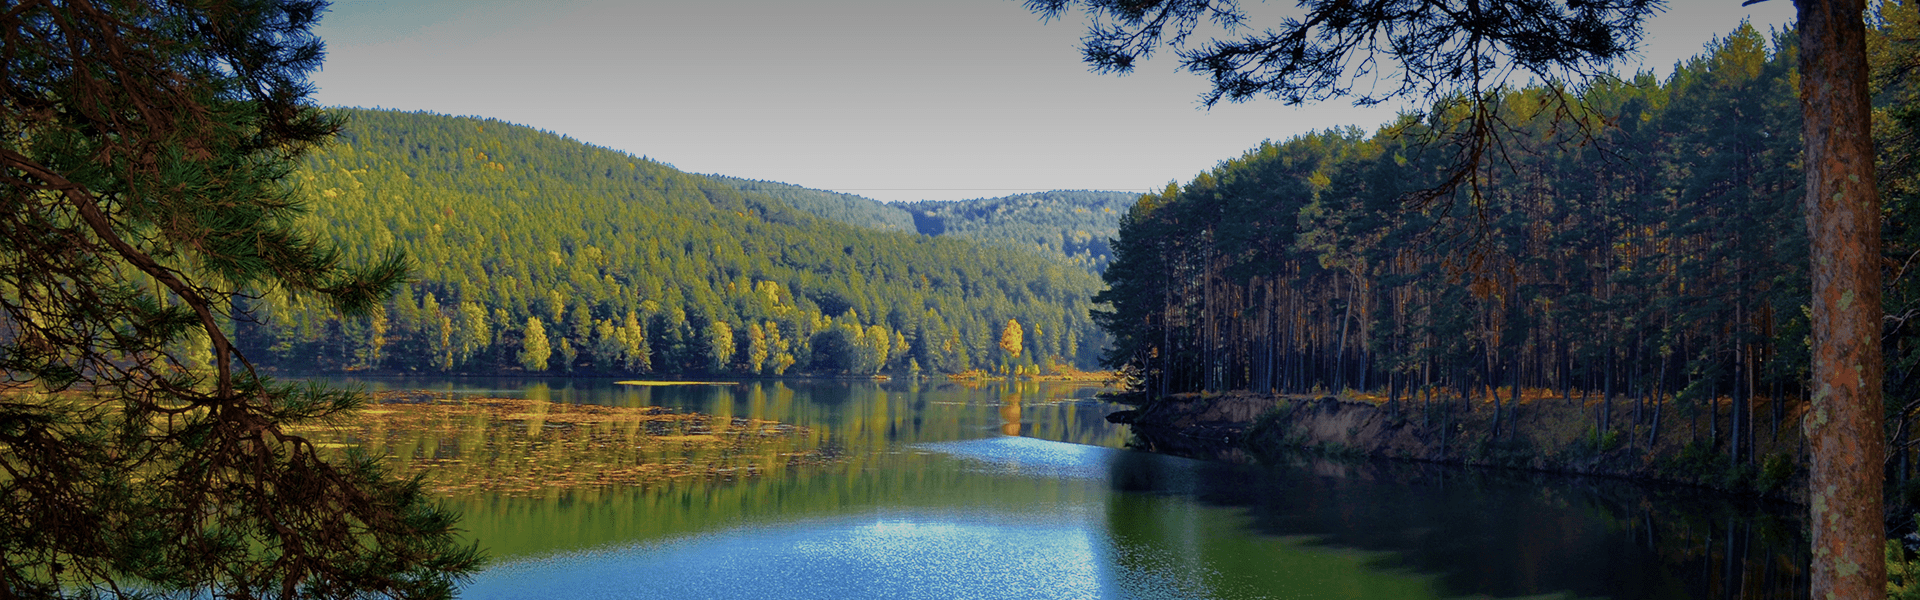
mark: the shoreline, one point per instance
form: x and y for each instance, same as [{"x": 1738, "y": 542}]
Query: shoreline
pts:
[
  {"x": 1101, "y": 377},
  {"x": 1544, "y": 435}
]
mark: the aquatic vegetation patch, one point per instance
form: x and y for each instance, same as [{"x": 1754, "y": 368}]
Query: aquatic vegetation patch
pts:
[{"x": 460, "y": 444}]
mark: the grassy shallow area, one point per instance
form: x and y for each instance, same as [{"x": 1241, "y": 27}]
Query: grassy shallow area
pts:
[
  {"x": 1066, "y": 373},
  {"x": 517, "y": 446}
]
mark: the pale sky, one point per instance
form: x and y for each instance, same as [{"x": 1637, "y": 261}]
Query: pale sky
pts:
[{"x": 889, "y": 99}]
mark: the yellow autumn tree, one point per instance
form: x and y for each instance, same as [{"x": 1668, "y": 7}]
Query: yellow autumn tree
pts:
[{"x": 1011, "y": 338}]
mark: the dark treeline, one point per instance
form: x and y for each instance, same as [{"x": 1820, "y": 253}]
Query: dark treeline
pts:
[
  {"x": 1655, "y": 259},
  {"x": 540, "y": 253}
]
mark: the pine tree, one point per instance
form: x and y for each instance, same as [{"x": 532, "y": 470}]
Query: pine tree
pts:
[
  {"x": 580, "y": 325},
  {"x": 720, "y": 345},
  {"x": 1458, "y": 54},
  {"x": 638, "y": 354},
  {"x": 470, "y": 333},
  {"x": 780, "y": 351},
  {"x": 609, "y": 347},
  {"x": 534, "y": 350},
  {"x": 438, "y": 333},
  {"x": 757, "y": 348},
  {"x": 567, "y": 355},
  {"x": 143, "y": 172}
]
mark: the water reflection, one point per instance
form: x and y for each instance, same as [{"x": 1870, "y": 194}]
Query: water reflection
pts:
[
  {"x": 986, "y": 518},
  {"x": 856, "y": 415},
  {"x": 1010, "y": 414},
  {"x": 948, "y": 490},
  {"x": 1502, "y": 534}
]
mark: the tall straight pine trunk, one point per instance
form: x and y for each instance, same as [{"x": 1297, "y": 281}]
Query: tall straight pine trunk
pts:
[{"x": 1843, "y": 425}]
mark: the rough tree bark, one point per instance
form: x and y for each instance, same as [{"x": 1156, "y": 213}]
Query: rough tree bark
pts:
[{"x": 1843, "y": 426}]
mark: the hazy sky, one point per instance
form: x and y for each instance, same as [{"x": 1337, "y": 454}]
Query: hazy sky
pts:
[{"x": 890, "y": 99}]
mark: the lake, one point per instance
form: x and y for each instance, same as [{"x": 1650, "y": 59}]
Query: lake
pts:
[{"x": 1023, "y": 490}]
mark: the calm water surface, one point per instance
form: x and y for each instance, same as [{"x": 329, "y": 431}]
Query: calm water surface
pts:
[{"x": 998, "y": 490}]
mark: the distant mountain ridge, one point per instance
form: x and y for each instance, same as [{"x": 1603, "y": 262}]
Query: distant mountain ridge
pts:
[
  {"x": 1073, "y": 225},
  {"x": 833, "y": 206}
]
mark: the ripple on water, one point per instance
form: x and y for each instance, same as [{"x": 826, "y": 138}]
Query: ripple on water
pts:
[
  {"x": 1022, "y": 456},
  {"x": 1050, "y": 550},
  {"x": 1034, "y": 458},
  {"x": 901, "y": 557}
]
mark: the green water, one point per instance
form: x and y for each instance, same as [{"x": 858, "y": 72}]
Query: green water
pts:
[{"x": 1006, "y": 490}]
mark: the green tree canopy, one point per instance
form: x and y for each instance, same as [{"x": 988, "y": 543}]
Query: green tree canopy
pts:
[
  {"x": 142, "y": 164},
  {"x": 1460, "y": 52},
  {"x": 520, "y": 223},
  {"x": 534, "y": 348}
]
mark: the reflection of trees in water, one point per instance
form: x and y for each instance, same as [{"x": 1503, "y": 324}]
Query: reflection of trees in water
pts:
[
  {"x": 867, "y": 427},
  {"x": 563, "y": 520},
  {"x": 1171, "y": 547},
  {"x": 522, "y": 445},
  {"x": 1505, "y": 534},
  {"x": 857, "y": 415},
  {"x": 1156, "y": 546},
  {"x": 864, "y": 417},
  {"x": 1010, "y": 414}
]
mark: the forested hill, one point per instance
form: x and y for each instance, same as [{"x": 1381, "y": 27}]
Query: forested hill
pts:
[
  {"x": 539, "y": 252},
  {"x": 836, "y": 206},
  {"x": 1075, "y": 224}
]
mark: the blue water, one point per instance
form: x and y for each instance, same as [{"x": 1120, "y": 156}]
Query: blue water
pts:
[
  {"x": 1019, "y": 492},
  {"x": 1047, "y": 546}
]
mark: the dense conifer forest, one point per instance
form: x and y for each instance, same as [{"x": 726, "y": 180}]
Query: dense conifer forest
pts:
[
  {"x": 1657, "y": 263},
  {"x": 539, "y": 253}
]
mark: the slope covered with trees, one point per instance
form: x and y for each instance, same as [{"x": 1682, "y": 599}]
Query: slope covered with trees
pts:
[
  {"x": 1075, "y": 224},
  {"x": 1662, "y": 263},
  {"x": 541, "y": 253},
  {"x": 833, "y": 206}
]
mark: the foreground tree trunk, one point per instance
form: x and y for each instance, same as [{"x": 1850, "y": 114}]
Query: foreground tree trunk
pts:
[{"x": 1843, "y": 425}]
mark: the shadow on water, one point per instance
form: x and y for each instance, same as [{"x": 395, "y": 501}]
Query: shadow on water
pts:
[{"x": 1495, "y": 532}]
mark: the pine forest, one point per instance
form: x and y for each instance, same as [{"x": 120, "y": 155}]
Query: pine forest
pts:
[
  {"x": 1654, "y": 260},
  {"x": 538, "y": 253}
]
